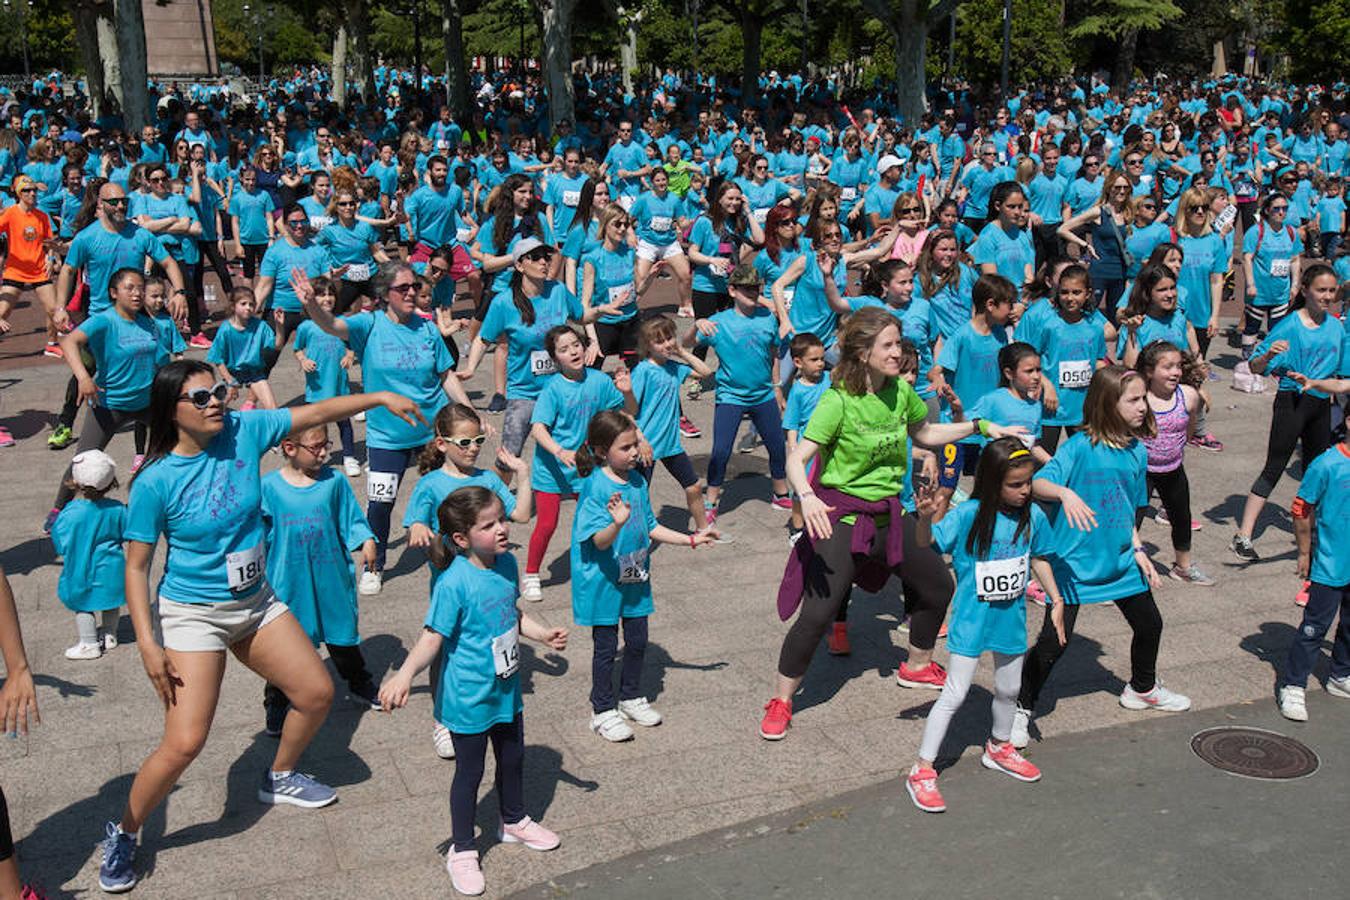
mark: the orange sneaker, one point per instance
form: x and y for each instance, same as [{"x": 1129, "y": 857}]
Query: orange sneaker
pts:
[
  {"x": 1005, "y": 758},
  {"x": 932, "y": 676}
]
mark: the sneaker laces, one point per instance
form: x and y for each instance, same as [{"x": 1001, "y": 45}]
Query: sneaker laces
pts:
[{"x": 116, "y": 851}]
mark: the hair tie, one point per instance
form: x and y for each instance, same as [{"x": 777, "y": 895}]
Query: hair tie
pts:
[{"x": 1020, "y": 451}]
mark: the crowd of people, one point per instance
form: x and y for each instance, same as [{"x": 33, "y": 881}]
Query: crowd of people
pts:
[{"x": 973, "y": 347}]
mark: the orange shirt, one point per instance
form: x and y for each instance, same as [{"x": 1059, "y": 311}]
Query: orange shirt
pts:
[{"x": 27, "y": 260}]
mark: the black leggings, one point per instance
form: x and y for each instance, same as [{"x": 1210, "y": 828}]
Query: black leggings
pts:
[
  {"x": 100, "y": 424},
  {"x": 829, "y": 578},
  {"x": 1140, "y": 611},
  {"x": 706, "y": 303},
  {"x": 1296, "y": 417},
  {"x": 508, "y": 746},
  {"x": 6, "y": 836},
  {"x": 618, "y": 339},
  {"x": 71, "y": 405},
  {"x": 349, "y": 292},
  {"x": 1050, "y": 435},
  {"x": 351, "y": 667},
  {"x": 1174, "y": 490},
  {"x": 210, "y": 253},
  {"x": 253, "y": 254},
  {"x": 605, "y": 640}
]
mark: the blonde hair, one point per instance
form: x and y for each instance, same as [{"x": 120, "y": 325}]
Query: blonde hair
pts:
[
  {"x": 1196, "y": 196},
  {"x": 1112, "y": 176},
  {"x": 1101, "y": 408}
]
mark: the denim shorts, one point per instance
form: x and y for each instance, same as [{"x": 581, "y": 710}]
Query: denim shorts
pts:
[
  {"x": 214, "y": 626},
  {"x": 516, "y": 425}
]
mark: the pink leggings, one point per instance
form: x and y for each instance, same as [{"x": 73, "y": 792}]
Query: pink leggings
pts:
[{"x": 546, "y": 509}]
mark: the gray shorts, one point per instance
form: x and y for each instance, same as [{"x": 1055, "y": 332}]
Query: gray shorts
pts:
[
  {"x": 214, "y": 626},
  {"x": 516, "y": 425}
]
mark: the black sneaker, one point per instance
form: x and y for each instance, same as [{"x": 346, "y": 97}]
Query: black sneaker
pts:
[
  {"x": 364, "y": 696},
  {"x": 274, "y": 717},
  {"x": 497, "y": 404},
  {"x": 1243, "y": 549}
]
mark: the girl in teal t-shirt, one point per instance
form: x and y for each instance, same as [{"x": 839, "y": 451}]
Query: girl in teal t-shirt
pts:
[
  {"x": 612, "y": 535},
  {"x": 472, "y": 633},
  {"x": 1072, "y": 346},
  {"x": 993, "y": 543},
  {"x": 88, "y": 536}
]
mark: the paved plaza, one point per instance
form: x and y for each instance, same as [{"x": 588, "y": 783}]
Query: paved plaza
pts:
[{"x": 715, "y": 638}]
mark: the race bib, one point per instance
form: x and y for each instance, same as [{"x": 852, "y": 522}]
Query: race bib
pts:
[
  {"x": 1001, "y": 580},
  {"x": 633, "y": 567},
  {"x": 506, "y": 652},
  {"x": 463, "y": 234},
  {"x": 541, "y": 364},
  {"x": 317, "y": 222},
  {"x": 626, "y": 203},
  {"x": 381, "y": 487},
  {"x": 621, "y": 294},
  {"x": 571, "y": 198},
  {"x": 788, "y": 294},
  {"x": 244, "y": 568},
  {"x": 848, "y": 194},
  {"x": 660, "y": 223},
  {"x": 1075, "y": 373},
  {"x": 357, "y": 272},
  {"x": 761, "y": 215},
  {"x": 442, "y": 144},
  {"x": 1279, "y": 268}
]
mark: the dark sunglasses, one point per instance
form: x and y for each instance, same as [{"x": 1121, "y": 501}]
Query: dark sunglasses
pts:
[
  {"x": 297, "y": 223},
  {"x": 539, "y": 255},
  {"x": 202, "y": 397},
  {"x": 115, "y": 201}
]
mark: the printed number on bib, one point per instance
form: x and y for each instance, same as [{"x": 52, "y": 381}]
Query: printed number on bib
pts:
[
  {"x": 660, "y": 223},
  {"x": 541, "y": 363},
  {"x": 571, "y": 198},
  {"x": 761, "y": 215},
  {"x": 848, "y": 194},
  {"x": 633, "y": 567},
  {"x": 317, "y": 222},
  {"x": 357, "y": 272},
  {"x": 244, "y": 568},
  {"x": 1001, "y": 580},
  {"x": 506, "y": 652},
  {"x": 1279, "y": 268},
  {"x": 1075, "y": 373},
  {"x": 621, "y": 294},
  {"x": 382, "y": 487}
]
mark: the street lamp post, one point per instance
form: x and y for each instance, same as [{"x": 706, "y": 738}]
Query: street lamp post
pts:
[
  {"x": 254, "y": 16},
  {"x": 416, "y": 12},
  {"x": 1007, "y": 50},
  {"x": 23, "y": 33}
]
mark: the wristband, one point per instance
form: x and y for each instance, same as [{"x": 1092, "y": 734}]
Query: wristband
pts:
[
  {"x": 1141, "y": 550},
  {"x": 981, "y": 426}
]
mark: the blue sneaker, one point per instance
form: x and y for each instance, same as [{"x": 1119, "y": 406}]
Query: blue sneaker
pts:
[
  {"x": 116, "y": 874},
  {"x": 297, "y": 789}
]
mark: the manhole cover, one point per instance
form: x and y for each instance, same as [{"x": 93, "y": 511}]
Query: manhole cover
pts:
[{"x": 1255, "y": 753}]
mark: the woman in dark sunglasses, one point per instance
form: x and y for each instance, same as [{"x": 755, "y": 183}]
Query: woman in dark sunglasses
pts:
[{"x": 199, "y": 489}]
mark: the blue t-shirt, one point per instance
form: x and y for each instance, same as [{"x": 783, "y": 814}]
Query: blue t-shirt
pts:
[
  {"x": 1070, "y": 352},
  {"x": 1005, "y": 407},
  {"x": 1047, "y": 197},
  {"x": 101, "y": 252},
  {"x": 1326, "y": 485},
  {"x": 655, "y": 217},
  {"x": 88, "y": 536},
  {"x": 527, "y": 362},
  {"x": 656, "y": 387},
  {"x": 989, "y": 610},
  {"x": 312, "y": 532},
  {"x": 128, "y": 355},
  {"x": 746, "y": 347},
  {"x": 1271, "y": 261},
  {"x": 169, "y": 333},
  {"x": 433, "y": 487},
  {"x": 566, "y": 407},
  {"x": 1171, "y": 328},
  {"x": 952, "y": 304},
  {"x": 350, "y": 246},
  {"x": 277, "y": 263},
  {"x": 435, "y": 214},
  {"x": 329, "y": 379},
  {"x": 477, "y": 682},
  {"x": 409, "y": 359},
  {"x": 613, "y": 583},
  {"x": 563, "y": 194},
  {"x": 240, "y": 351},
  {"x": 703, "y": 238},
  {"x": 1315, "y": 352},
  {"x": 613, "y": 280},
  {"x": 1201, "y": 258},
  {"x": 1098, "y": 566},
  {"x": 487, "y": 243},
  {"x": 810, "y": 310},
  {"x": 970, "y": 361},
  {"x": 1331, "y": 214},
  {"x": 1009, "y": 253},
  {"x": 801, "y": 402},
  {"x": 917, "y": 326},
  {"x": 252, "y": 210},
  {"x": 209, "y": 508}
]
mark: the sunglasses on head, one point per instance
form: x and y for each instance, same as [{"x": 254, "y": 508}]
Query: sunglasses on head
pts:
[
  {"x": 202, "y": 397},
  {"x": 464, "y": 443}
]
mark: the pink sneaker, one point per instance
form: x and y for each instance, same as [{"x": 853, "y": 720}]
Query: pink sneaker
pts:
[
  {"x": 783, "y": 502},
  {"x": 923, "y": 790},
  {"x": 932, "y": 676},
  {"x": 1301, "y": 598},
  {"x": 465, "y": 873},
  {"x": 199, "y": 341},
  {"x": 1005, "y": 758},
  {"x": 777, "y": 718},
  {"x": 247, "y": 405},
  {"x": 530, "y": 833},
  {"x": 6, "y": 439},
  {"x": 1036, "y": 593}
]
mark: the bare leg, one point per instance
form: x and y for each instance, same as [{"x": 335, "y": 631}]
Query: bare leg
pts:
[{"x": 282, "y": 654}]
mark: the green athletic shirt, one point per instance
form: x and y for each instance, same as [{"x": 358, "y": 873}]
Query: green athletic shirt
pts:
[{"x": 864, "y": 440}]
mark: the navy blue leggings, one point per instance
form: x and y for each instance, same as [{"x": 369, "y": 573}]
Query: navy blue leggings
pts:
[
  {"x": 768, "y": 421},
  {"x": 384, "y": 462},
  {"x": 1324, "y": 602},
  {"x": 606, "y": 641},
  {"x": 508, "y": 746}
]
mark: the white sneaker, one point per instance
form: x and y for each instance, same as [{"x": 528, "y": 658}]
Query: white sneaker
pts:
[
  {"x": 640, "y": 711},
  {"x": 611, "y": 726},
  {"x": 370, "y": 584},
  {"x": 351, "y": 466},
  {"x": 1339, "y": 687},
  {"x": 1160, "y": 698},
  {"x": 440, "y": 739},
  {"x": 109, "y": 642},
  {"x": 1293, "y": 703},
  {"x": 530, "y": 589},
  {"x": 1020, "y": 738},
  {"x": 359, "y": 417},
  {"x": 84, "y": 651}
]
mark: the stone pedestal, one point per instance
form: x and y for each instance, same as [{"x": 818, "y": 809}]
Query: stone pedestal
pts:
[{"x": 180, "y": 38}]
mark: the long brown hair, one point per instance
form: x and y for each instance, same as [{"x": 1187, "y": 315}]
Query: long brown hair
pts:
[
  {"x": 603, "y": 431},
  {"x": 856, "y": 338},
  {"x": 931, "y": 282},
  {"x": 1101, "y": 411}
]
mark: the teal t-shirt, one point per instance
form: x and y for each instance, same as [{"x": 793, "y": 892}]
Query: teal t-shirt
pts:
[
  {"x": 746, "y": 347},
  {"x": 88, "y": 535},
  {"x": 566, "y": 407},
  {"x": 277, "y": 263},
  {"x": 1070, "y": 352},
  {"x": 240, "y": 350},
  {"x": 1315, "y": 352},
  {"x": 408, "y": 358},
  {"x": 613, "y": 281},
  {"x": 528, "y": 364},
  {"x": 1326, "y": 485},
  {"x": 613, "y": 583},
  {"x": 128, "y": 354},
  {"x": 328, "y": 379},
  {"x": 657, "y": 391}
]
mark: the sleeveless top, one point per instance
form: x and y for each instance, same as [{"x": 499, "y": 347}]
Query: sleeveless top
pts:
[
  {"x": 1108, "y": 236},
  {"x": 1165, "y": 450}
]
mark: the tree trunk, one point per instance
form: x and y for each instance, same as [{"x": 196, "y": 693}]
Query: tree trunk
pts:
[
  {"x": 340, "y": 66},
  {"x": 1124, "y": 67},
  {"x": 752, "y": 32},
  {"x": 555, "y": 27},
  {"x": 105, "y": 33},
  {"x": 358, "y": 29},
  {"x": 456, "y": 62},
  {"x": 131, "y": 46},
  {"x": 86, "y": 35},
  {"x": 628, "y": 22},
  {"x": 908, "y": 28}
]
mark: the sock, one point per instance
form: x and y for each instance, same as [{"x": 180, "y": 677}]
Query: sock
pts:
[{"x": 277, "y": 776}]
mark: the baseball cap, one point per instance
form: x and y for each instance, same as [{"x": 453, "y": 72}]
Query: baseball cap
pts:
[
  {"x": 524, "y": 247},
  {"x": 93, "y": 469},
  {"x": 887, "y": 162},
  {"x": 745, "y": 275}
]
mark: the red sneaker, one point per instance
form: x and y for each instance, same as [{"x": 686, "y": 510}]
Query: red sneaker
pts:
[
  {"x": 1005, "y": 758},
  {"x": 838, "y": 642},
  {"x": 777, "y": 718},
  {"x": 923, "y": 790},
  {"x": 689, "y": 429},
  {"x": 932, "y": 676},
  {"x": 199, "y": 341},
  {"x": 1301, "y": 598}
]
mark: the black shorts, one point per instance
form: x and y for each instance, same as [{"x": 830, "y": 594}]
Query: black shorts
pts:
[
  {"x": 6, "y": 836},
  {"x": 26, "y": 285}
]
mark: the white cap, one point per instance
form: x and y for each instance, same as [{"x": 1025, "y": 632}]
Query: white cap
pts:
[
  {"x": 93, "y": 469},
  {"x": 887, "y": 162},
  {"x": 524, "y": 246}
]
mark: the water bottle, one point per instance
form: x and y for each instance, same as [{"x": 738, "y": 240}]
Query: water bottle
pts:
[{"x": 210, "y": 297}]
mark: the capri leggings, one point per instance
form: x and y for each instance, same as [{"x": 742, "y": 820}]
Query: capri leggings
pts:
[
  {"x": 960, "y": 673},
  {"x": 706, "y": 303},
  {"x": 6, "y": 836},
  {"x": 829, "y": 577},
  {"x": 1296, "y": 418},
  {"x": 679, "y": 467},
  {"x": 508, "y": 746},
  {"x": 100, "y": 424},
  {"x": 1174, "y": 490},
  {"x": 383, "y": 480},
  {"x": 253, "y": 254},
  {"x": 1256, "y": 317},
  {"x": 768, "y": 421},
  {"x": 547, "y": 507}
]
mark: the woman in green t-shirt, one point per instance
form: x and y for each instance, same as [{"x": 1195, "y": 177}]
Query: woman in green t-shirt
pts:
[{"x": 861, "y": 428}]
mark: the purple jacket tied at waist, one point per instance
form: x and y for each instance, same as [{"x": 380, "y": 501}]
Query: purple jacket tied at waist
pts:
[{"x": 871, "y": 573}]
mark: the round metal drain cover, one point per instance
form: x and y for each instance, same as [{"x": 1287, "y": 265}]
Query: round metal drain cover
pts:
[{"x": 1255, "y": 753}]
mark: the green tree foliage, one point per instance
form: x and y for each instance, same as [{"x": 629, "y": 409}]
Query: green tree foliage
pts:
[
  {"x": 1316, "y": 36},
  {"x": 1112, "y": 18},
  {"x": 1040, "y": 48},
  {"x": 49, "y": 32},
  {"x": 293, "y": 33}
]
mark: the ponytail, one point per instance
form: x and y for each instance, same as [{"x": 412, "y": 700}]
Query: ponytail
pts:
[{"x": 604, "y": 430}]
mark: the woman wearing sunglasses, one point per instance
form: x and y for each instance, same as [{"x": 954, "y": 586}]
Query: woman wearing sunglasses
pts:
[
  {"x": 200, "y": 490},
  {"x": 295, "y": 250},
  {"x": 354, "y": 245},
  {"x": 398, "y": 351}
]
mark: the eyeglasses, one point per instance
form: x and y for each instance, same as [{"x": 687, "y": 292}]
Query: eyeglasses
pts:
[
  {"x": 114, "y": 201},
  {"x": 910, "y": 209},
  {"x": 156, "y": 179},
  {"x": 1195, "y": 209},
  {"x": 297, "y": 223},
  {"x": 28, "y": 190},
  {"x": 1134, "y": 162},
  {"x": 346, "y": 203},
  {"x": 317, "y": 449},
  {"x": 323, "y": 134},
  {"x": 1288, "y": 181},
  {"x": 202, "y": 397},
  {"x": 463, "y": 443},
  {"x": 1278, "y": 209}
]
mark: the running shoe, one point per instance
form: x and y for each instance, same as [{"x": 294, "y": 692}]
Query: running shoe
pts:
[
  {"x": 199, "y": 341},
  {"x": 838, "y": 644},
  {"x": 84, "y": 651},
  {"x": 1339, "y": 686},
  {"x": 923, "y": 790},
  {"x": 465, "y": 873},
  {"x": 371, "y": 583},
  {"x": 1207, "y": 442},
  {"x": 529, "y": 587},
  {"x": 611, "y": 726},
  {"x": 1020, "y": 736},
  {"x": 685, "y": 312},
  {"x": 1036, "y": 593},
  {"x": 933, "y": 676},
  {"x": 689, "y": 429},
  {"x": 497, "y": 404},
  {"x": 1293, "y": 703},
  {"x": 365, "y": 696},
  {"x": 530, "y": 833},
  {"x": 942, "y": 631},
  {"x": 61, "y": 437},
  {"x": 1005, "y": 758},
  {"x": 109, "y": 642},
  {"x": 1192, "y": 574},
  {"x": 777, "y": 718},
  {"x": 794, "y": 535},
  {"x": 351, "y": 466},
  {"x": 136, "y": 462},
  {"x": 1161, "y": 518},
  {"x": 710, "y": 512},
  {"x": 441, "y": 740},
  {"x": 48, "y": 522},
  {"x": 1301, "y": 598},
  {"x": 54, "y": 351},
  {"x": 31, "y": 893},
  {"x": 1160, "y": 699},
  {"x": 749, "y": 442},
  {"x": 639, "y": 710},
  {"x": 117, "y": 872},
  {"x": 1243, "y": 549},
  {"x": 359, "y": 417},
  {"x": 6, "y": 439},
  {"x": 783, "y": 502},
  {"x": 295, "y": 788}
]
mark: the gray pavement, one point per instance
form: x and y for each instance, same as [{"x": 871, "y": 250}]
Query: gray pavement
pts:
[{"x": 715, "y": 640}]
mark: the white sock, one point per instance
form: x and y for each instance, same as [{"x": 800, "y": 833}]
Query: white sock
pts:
[{"x": 277, "y": 776}]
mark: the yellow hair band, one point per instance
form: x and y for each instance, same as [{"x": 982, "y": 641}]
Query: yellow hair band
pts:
[{"x": 1019, "y": 452}]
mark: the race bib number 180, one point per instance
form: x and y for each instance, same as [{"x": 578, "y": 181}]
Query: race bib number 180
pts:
[{"x": 244, "y": 568}]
